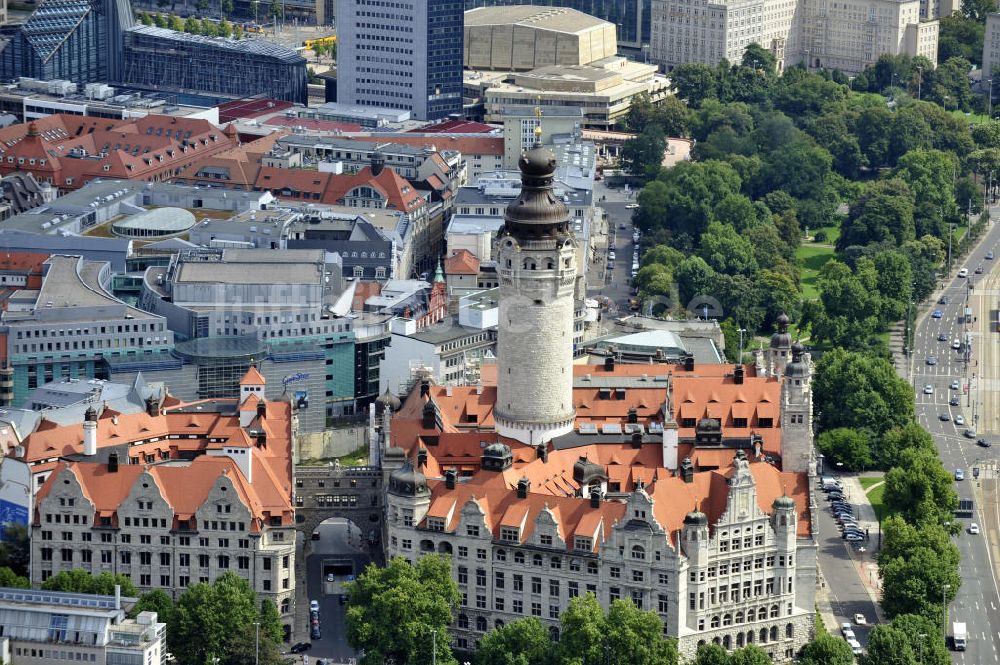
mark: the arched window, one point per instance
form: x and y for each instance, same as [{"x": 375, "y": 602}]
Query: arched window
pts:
[
  {"x": 716, "y": 640},
  {"x": 727, "y": 643},
  {"x": 714, "y": 622},
  {"x": 501, "y": 555},
  {"x": 774, "y": 611},
  {"x": 739, "y": 640},
  {"x": 426, "y": 545},
  {"x": 789, "y": 630},
  {"x": 749, "y": 637},
  {"x": 481, "y": 624},
  {"x": 444, "y": 548},
  {"x": 751, "y": 615},
  {"x": 727, "y": 619},
  {"x": 554, "y": 633},
  {"x": 774, "y": 633},
  {"x": 499, "y": 623},
  {"x": 762, "y": 613},
  {"x": 536, "y": 560},
  {"x": 739, "y": 616},
  {"x": 700, "y": 642},
  {"x": 550, "y": 264},
  {"x": 518, "y": 557},
  {"x": 763, "y": 635},
  {"x": 529, "y": 264},
  {"x": 284, "y": 606},
  {"x": 638, "y": 552},
  {"x": 463, "y": 621}
]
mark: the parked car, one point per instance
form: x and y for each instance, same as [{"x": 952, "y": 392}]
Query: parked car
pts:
[
  {"x": 611, "y": 255},
  {"x": 928, "y": 389},
  {"x": 860, "y": 619},
  {"x": 622, "y": 227},
  {"x": 944, "y": 417},
  {"x": 301, "y": 647},
  {"x": 314, "y": 606},
  {"x": 314, "y": 634},
  {"x": 853, "y": 537},
  {"x": 631, "y": 206},
  {"x": 855, "y": 647},
  {"x": 846, "y": 628},
  {"x": 974, "y": 529},
  {"x": 849, "y": 634}
]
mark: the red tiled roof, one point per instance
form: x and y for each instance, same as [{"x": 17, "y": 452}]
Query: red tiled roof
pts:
[{"x": 461, "y": 262}]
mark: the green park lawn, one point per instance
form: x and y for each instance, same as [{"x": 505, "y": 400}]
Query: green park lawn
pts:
[
  {"x": 832, "y": 234},
  {"x": 973, "y": 118},
  {"x": 875, "y": 496},
  {"x": 812, "y": 259}
]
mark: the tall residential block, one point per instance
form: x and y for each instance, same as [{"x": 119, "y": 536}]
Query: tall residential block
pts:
[{"x": 401, "y": 55}]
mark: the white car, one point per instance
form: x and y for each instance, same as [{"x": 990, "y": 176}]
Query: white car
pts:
[
  {"x": 860, "y": 619},
  {"x": 314, "y": 606},
  {"x": 846, "y": 628},
  {"x": 974, "y": 529},
  {"x": 849, "y": 635},
  {"x": 959, "y": 420},
  {"x": 964, "y": 272},
  {"x": 956, "y": 344},
  {"x": 855, "y": 647},
  {"x": 955, "y": 385},
  {"x": 633, "y": 206},
  {"x": 928, "y": 389}
]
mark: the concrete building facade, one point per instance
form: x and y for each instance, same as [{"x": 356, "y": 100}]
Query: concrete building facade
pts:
[{"x": 407, "y": 57}]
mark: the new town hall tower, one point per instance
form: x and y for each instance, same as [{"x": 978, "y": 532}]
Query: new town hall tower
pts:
[{"x": 536, "y": 260}]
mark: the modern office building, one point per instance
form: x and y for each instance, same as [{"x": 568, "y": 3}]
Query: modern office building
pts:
[
  {"x": 406, "y": 56},
  {"x": 64, "y": 322},
  {"x": 164, "y": 60},
  {"x": 631, "y": 17},
  {"x": 50, "y": 627},
  {"x": 991, "y": 46},
  {"x": 98, "y": 42}
]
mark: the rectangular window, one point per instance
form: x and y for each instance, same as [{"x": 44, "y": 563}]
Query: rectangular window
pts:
[
  {"x": 554, "y": 588},
  {"x": 517, "y": 606},
  {"x": 498, "y": 580},
  {"x": 518, "y": 582},
  {"x": 572, "y": 589},
  {"x": 662, "y": 603},
  {"x": 536, "y": 609},
  {"x": 536, "y": 585}
]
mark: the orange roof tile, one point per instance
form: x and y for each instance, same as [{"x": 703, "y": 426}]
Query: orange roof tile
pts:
[
  {"x": 461, "y": 262},
  {"x": 253, "y": 377}
]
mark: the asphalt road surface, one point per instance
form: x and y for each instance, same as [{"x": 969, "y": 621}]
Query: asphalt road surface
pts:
[
  {"x": 978, "y": 599},
  {"x": 617, "y": 283},
  {"x": 338, "y": 552}
]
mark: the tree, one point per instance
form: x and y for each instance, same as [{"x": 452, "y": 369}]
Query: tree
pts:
[
  {"x": 392, "y": 610},
  {"x": 711, "y": 654},
  {"x": 521, "y": 642},
  {"x": 930, "y": 169},
  {"x": 15, "y": 549},
  {"x": 884, "y": 211},
  {"x": 208, "y": 616},
  {"x": 643, "y": 155},
  {"x": 145, "y": 18},
  {"x": 751, "y": 654},
  {"x": 888, "y": 646},
  {"x": 160, "y": 21},
  {"x": 175, "y": 23},
  {"x": 237, "y": 31},
  {"x": 758, "y": 58},
  {"x": 977, "y": 10},
  {"x": 8, "y": 578},
  {"x": 270, "y": 621},
  {"x": 849, "y": 447},
  {"x": 243, "y": 647},
  {"x": 960, "y": 37},
  {"x": 861, "y": 391},
  {"x": 192, "y": 25},
  {"x": 225, "y": 28},
  {"x": 893, "y": 443},
  {"x": 209, "y": 28},
  {"x": 626, "y": 635},
  {"x": 930, "y": 648},
  {"x": 827, "y": 650},
  {"x": 694, "y": 83},
  {"x": 694, "y": 277},
  {"x": 920, "y": 489}
]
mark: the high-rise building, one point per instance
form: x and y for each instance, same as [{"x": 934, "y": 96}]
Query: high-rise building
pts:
[
  {"x": 991, "y": 46},
  {"x": 406, "y": 57}
]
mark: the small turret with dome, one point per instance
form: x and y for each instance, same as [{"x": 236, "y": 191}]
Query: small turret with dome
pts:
[
  {"x": 537, "y": 211},
  {"x": 387, "y": 399},
  {"x": 407, "y": 481},
  {"x": 781, "y": 343},
  {"x": 798, "y": 367}
]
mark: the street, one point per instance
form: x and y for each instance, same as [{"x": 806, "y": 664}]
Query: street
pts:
[
  {"x": 617, "y": 284},
  {"x": 336, "y": 556},
  {"x": 978, "y": 599}
]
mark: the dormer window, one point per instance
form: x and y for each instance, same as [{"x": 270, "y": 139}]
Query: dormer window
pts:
[
  {"x": 435, "y": 524},
  {"x": 510, "y": 534},
  {"x": 583, "y": 543}
]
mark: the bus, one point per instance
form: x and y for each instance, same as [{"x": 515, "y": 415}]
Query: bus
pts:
[{"x": 323, "y": 41}]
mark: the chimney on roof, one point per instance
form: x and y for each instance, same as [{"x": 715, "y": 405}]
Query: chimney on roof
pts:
[
  {"x": 152, "y": 406},
  {"x": 689, "y": 363},
  {"x": 637, "y": 440},
  {"x": 609, "y": 362},
  {"x": 523, "y": 487},
  {"x": 113, "y": 463},
  {"x": 542, "y": 450},
  {"x": 633, "y": 416},
  {"x": 422, "y": 457},
  {"x": 261, "y": 437},
  {"x": 262, "y": 409},
  {"x": 687, "y": 470},
  {"x": 738, "y": 375},
  {"x": 595, "y": 498},
  {"x": 450, "y": 477},
  {"x": 425, "y": 387}
]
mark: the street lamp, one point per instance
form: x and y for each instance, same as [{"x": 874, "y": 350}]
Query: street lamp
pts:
[
  {"x": 740, "y": 360},
  {"x": 922, "y": 637},
  {"x": 434, "y": 635},
  {"x": 990, "y": 112},
  {"x": 944, "y": 613},
  {"x": 256, "y": 643}
]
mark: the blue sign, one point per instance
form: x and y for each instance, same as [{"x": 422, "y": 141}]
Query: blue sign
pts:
[
  {"x": 11, "y": 513},
  {"x": 301, "y": 376}
]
